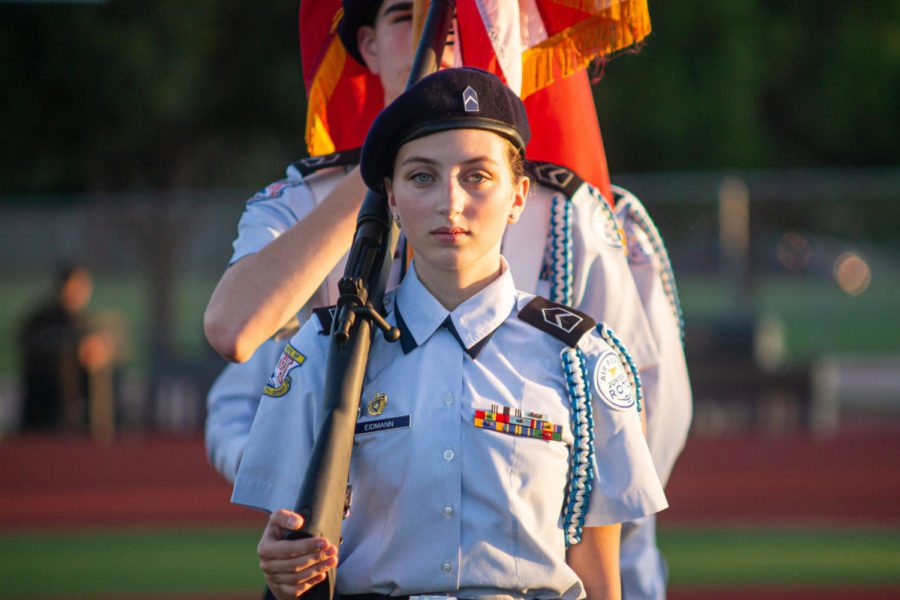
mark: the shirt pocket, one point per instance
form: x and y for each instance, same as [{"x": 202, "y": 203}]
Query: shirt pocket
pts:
[{"x": 380, "y": 444}]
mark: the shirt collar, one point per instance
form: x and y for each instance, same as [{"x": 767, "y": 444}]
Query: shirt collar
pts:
[{"x": 472, "y": 323}]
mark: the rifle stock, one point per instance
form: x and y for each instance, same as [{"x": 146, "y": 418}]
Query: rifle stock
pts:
[{"x": 322, "y": 496}]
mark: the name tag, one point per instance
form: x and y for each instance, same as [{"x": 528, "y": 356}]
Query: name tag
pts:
[{"x": 364, "y": 427}]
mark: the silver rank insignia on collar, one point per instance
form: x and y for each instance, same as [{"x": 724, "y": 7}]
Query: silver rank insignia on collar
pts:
[
  {"x": 470, "y": 99},
  {"x": 376, "y": 405}
]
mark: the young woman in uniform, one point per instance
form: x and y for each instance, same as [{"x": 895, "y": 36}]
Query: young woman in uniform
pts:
[{"x": 499, "y": 443}]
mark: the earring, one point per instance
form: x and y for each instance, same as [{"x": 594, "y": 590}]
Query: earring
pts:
[{"x": 397, "y": 219}]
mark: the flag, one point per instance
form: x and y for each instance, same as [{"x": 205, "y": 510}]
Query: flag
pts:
[{"x": 540, "y": 48}]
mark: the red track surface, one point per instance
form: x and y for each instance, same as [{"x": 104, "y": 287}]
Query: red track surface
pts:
[{"x": 850, "y": 479}]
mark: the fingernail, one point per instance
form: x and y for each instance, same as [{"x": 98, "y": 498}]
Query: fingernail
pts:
[
  {"x": 293, "y": 522},
  {"x": 321, "y": 544}
]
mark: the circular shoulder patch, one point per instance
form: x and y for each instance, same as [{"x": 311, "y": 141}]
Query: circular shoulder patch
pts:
[{"x": 611, "y": 382}]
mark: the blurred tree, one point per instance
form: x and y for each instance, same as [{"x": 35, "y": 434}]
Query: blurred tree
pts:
[
  {"x": 165, "y": 94},
  {"x": 750, "y": 84},
  {"x": 833, "y": 96},
  {"x": 160, "y": 94}
]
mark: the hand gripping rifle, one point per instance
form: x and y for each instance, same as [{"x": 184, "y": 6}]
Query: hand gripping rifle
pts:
[{"x": 324, "y": 496}]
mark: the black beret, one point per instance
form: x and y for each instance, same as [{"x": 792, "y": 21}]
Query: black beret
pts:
[
  {"x": 461, "y": 98},
  {"x": 356, "y": 14}
]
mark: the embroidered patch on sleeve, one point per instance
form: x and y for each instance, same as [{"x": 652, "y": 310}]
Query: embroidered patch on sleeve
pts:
[
  {"x": 611, "y": 382},
  {"x": 514, "y": 422},
  {"x": 274, "y": 190},
  {"x": 280, "y": 381}
]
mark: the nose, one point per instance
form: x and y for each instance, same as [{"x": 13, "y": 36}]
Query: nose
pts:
[{"x": 453, "y": 199}]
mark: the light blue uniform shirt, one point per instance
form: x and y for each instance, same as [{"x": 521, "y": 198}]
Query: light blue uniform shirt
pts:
[{"x": 441, "y": 505}]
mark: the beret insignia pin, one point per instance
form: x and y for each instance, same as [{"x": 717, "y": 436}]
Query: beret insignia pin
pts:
[{"x": 470, "y": 99}]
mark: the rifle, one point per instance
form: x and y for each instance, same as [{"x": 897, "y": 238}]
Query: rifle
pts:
[{"x": 324, "y": 496}]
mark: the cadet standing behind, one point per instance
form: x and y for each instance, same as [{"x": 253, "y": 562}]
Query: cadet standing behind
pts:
[{"x": 502, "y": 424}]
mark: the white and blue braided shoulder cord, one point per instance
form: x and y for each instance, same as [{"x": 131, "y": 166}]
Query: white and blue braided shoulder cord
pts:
[
  {"x": 561, "y": 250},
  {"x": 638, "y": 214},
  {"x": 581, "y": 468}
]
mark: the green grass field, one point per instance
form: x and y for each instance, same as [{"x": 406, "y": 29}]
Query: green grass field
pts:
[{"x": 142, "y": 562}]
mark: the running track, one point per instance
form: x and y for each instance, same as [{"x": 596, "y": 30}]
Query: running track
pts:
[{"x": 850, "y": 479}]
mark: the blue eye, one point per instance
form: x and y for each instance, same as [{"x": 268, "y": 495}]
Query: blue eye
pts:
[
  {"x": 420, "y": 177},
  {"x": 478, "y": 177}
]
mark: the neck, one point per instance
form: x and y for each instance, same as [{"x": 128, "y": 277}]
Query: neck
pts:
[{"x": 452, "y": 288}]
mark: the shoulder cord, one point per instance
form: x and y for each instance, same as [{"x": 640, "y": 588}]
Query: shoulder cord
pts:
[
  {"x": 581, "y": 468},
  {"x": 561, "y": 250},
  {"x": 639, "y": 214}
]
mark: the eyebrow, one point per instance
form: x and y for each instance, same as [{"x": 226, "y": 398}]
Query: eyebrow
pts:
[{"x": 399, "y": 7}]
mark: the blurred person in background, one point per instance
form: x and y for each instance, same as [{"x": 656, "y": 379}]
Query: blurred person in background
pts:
[{"x": 59, "y": 353}]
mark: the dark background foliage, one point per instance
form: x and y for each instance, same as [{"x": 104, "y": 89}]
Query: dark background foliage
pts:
[{"x": 165, "y": 94}]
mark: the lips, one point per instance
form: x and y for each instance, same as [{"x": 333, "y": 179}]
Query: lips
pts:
[{"x": 449, "y": 234}]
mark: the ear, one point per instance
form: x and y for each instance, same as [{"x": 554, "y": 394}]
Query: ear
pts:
[
  {"x": 520, "y": 194},
  {"x": 389, "y": 192},
  {"x": 365, "y": 41}
]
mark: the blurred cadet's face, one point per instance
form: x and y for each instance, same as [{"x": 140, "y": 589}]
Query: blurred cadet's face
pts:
[
  {"x": 455, "y": 192},
  {"x": 388, "y": 46},
  {"x": 76, "y": 292}
]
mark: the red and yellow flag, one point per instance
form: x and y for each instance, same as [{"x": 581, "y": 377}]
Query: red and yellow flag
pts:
[{"x": 540, "y": 48}]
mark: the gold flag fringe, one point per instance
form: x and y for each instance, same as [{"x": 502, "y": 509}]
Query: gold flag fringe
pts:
[{"x": 611, "y": 28}]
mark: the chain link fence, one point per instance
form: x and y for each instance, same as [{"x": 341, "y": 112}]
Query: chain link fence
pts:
[{"x": 779, "y": 271}]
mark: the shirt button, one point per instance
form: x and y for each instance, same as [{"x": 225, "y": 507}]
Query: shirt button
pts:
[
  {"x": 448, "y": 399},
  {"x": 446, "y": 567},
  {"x": 448, "y": 511},
  {"x": 448, "y": 455}
]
